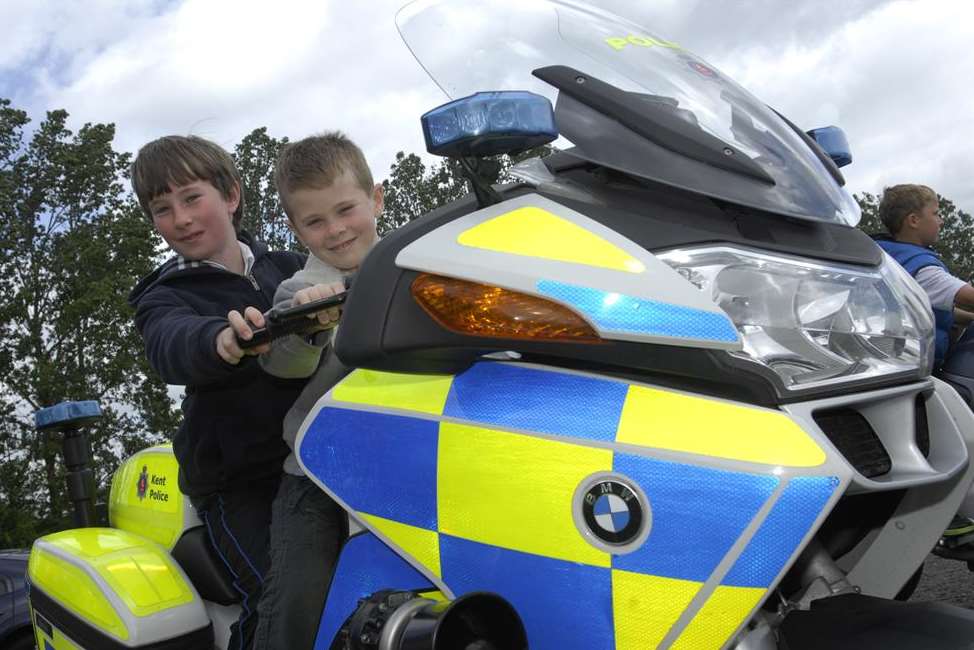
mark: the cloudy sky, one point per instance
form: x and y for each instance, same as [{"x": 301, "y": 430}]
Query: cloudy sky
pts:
[{"x": 897, "y": 75}]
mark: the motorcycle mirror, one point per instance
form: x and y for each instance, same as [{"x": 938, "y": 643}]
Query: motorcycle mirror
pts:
[
  {"x": 489, "y": 123},
  {"x": 833, "y": 141}
]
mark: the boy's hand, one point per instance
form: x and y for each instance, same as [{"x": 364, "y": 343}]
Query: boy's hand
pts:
[
  {"x": 226, "y": 340},
  {"x": 327, "y": 317}
]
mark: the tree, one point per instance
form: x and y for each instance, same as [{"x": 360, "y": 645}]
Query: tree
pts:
[
  {"x": 73, "y": 242},
  {"x": 263, "y": 213},
  {"x": 956, "y": 242},
  {"x": 412, "y": 189}
]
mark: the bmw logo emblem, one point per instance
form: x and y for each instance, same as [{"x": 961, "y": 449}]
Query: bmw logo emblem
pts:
[{"x": 615, "y": 514}]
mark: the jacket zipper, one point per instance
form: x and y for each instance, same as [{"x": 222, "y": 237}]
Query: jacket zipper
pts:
[{"x": 253, "y": 282}]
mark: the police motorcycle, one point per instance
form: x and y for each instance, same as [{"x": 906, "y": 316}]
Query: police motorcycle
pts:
[{"x": 659, "y": 393}]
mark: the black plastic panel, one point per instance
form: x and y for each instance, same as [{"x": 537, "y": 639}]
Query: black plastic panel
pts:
[
  {"x": 858, "y": 622},
  {"x": 854, "y": 437},
  {"x": 922, "y": 425}
]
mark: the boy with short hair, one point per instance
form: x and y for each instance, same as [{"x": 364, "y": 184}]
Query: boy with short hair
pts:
[
  {"x": 332, "y": 205},
  {"x": 229, "y": 444},
  {"x": 910, "y": 214}
]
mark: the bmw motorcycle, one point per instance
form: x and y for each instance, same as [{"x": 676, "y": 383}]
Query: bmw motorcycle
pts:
[{"x": 658, "y": 393}]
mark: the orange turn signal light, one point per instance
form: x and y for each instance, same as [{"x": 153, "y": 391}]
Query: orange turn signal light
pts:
[{"x": 482, "y": 310}]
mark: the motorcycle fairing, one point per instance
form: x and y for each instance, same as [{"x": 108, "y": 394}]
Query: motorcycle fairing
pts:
[
  {"x": 536, "y": 246},
  {"x": 365, "y": 566},
  {"x": 473, "y": 479}
]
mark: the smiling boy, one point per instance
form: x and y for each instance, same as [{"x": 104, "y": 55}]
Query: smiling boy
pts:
[
  {"x": 229, "y": 444},
  {"x": 332, "y": 206}
]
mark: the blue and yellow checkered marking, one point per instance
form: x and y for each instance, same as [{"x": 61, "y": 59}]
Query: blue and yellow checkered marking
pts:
[
  {"x": 394, "y": 461},
  {"x": 793, "y": 514},
  {"x": 365, "y": 566},
  {"x": 546, "y": 587},
  {"x": 621, "y": 313},
  {"x": 698, "y": 513},
  {"x": 519, "y": 523},
  {"x": 524, "y": 398}
]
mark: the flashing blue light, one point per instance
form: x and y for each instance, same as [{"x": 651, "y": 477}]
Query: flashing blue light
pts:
[
  {"x": 485, "y": 124},
  {"x": 833, "y": 142},
  {"x": 67, "y": 414}
]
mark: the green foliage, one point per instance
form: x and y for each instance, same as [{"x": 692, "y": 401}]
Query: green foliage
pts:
[
  {"x": 264, "y": 216},
  {"x": 72, "y": 244},
  {"x": 956, "y": 242}
]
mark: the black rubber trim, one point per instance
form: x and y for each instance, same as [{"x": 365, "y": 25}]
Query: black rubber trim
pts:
[
  {"x": 816, "y": 148},
  {"x": 653, "y": 117},
  {"x": 87, "y": 636}
]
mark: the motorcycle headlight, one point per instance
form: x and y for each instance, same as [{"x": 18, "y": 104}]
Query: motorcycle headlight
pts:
[{"x": 816, "y": 324}]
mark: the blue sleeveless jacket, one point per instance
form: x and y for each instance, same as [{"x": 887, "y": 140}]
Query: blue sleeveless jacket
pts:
[{"x": 913, "y": 258}]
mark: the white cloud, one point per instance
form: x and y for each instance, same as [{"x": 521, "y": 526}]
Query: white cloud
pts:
[{"x": 895, "y": 75}]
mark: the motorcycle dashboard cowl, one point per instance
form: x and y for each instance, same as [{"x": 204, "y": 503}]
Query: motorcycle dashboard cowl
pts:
[{"x": 383, "y": 327}]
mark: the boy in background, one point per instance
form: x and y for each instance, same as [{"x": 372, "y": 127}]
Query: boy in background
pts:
[
  {"x": 332, "y": 205},
  {"x": 910, "y": 214},
  {"x": 229, "y": 443}
]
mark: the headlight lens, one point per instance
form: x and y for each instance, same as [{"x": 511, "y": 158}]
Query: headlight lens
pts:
[{"x": 816, "y": 324}]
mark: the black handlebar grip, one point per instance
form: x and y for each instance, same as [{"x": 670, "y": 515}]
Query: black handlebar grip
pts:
[{"x": 293, "y": 320}]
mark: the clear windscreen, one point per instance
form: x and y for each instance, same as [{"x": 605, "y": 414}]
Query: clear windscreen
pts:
[{"x": 468, "y": 46}]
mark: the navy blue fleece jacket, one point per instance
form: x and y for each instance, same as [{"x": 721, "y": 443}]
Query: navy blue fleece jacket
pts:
[{"x": 232, "y": 414}]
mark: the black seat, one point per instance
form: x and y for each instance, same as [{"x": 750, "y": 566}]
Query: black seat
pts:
[{"x": 204, "y": 567}]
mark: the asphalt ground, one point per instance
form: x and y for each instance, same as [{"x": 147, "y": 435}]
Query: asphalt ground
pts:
[{"x": 947, "y": 581}]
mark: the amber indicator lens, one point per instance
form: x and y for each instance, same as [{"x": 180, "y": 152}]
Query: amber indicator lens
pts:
[{"x": 483, "y": 310}]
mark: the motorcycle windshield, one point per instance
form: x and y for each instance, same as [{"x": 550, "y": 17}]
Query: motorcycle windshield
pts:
[{"x": 468, "y": 46}]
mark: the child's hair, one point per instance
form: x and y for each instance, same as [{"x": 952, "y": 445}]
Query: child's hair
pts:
[
  {"x": 317, "y": 161},
  {"x": 900, "y": 200},
  {"x": 178, "y": 160}
]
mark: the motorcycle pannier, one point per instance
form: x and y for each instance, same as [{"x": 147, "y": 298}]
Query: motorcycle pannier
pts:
[{"x": 106, "y": 588}]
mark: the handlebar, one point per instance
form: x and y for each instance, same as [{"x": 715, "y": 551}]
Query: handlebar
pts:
[{"x": 293, "y": 320}]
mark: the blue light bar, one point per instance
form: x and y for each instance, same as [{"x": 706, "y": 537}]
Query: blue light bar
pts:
[
  {"x": 485, "y": 124},
  {"x": 833, "y": 142},
  {"x": 66, "y": 414}
]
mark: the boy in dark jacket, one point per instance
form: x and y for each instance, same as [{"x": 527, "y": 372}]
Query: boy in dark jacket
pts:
[{"x": 229, "y": 445}]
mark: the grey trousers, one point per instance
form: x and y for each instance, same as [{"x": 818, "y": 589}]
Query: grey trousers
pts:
[{"x": 307, "y": 531}]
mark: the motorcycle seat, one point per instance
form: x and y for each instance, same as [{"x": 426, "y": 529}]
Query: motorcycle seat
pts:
[{"x": 204, "y": 567}]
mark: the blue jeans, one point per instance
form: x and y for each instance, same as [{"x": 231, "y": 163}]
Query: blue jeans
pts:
[{"x": 307, "y": 531}]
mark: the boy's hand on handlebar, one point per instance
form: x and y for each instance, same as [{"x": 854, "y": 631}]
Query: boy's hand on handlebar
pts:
[
  {"x": 240, "y": 327},
  {"x": 327, "y": 317}
]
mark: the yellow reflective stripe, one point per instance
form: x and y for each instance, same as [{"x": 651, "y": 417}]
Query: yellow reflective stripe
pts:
[
  {"x": 723, "y": 612},
  {"x": 422, "y": 393},
  {"x": 158, "y": 513},
  {"x": 534, "y": 232},
  {"x": 75, "y": 590},
  {"x": 667, "y": 420},
  {"x": 529, "y": 511},
  {"x": 645, "y": 607},
  {"x": 421, "y": 544},
  {"x": 143, "y": 576}
]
